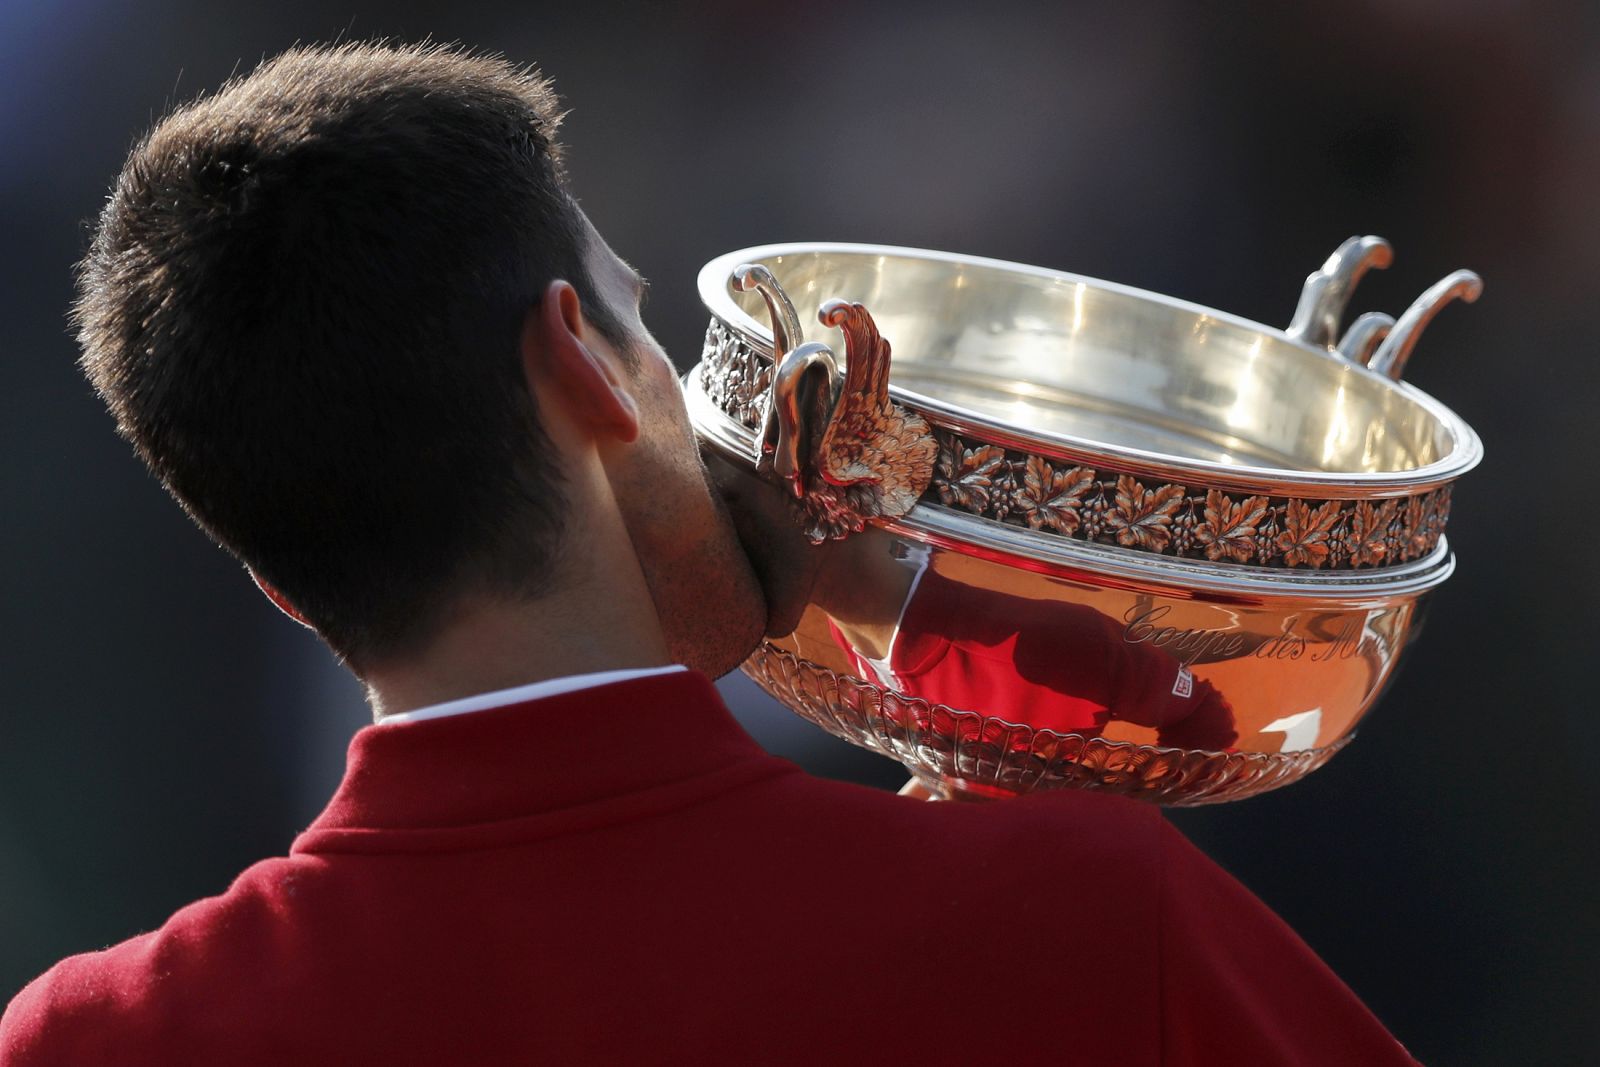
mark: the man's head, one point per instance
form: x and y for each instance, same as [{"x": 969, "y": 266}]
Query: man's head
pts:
[{"x": 308, "y": 306}]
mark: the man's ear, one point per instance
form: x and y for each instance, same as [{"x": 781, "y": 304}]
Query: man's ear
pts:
[
  {"x": 560, "y": 347},
  {"x": 279, "y": 599}
]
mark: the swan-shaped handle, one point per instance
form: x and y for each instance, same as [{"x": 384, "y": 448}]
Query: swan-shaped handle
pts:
[
  {"x": 845, "y": 450},
  {"x": 804, "y": 376}
]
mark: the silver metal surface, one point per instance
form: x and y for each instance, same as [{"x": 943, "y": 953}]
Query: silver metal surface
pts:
[
  {"x": 1364, "y": 336},
  {"x": 1164, "y": 551},
  {"x": 1075, "y": 367},
  {"x": 1327, "y": 291}
]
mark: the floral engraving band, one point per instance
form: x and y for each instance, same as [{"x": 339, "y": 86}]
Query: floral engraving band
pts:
[
  {"x": 1118, "y": 508},
  {"x": 733, "y": 376},
  {"x": 1177, "y": 520}
]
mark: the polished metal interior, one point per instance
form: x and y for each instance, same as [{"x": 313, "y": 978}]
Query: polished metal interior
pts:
[{"x": 1067, "y": 360}]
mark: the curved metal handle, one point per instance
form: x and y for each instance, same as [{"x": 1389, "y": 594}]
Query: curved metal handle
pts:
[
  {"x": 786, "y": 333},
  {"x": 1392, "y": 355},
  {"x": 1327, "y": 291},
  {"x": 801, "y": 401},
  {"x": 1364, "y": 336},
  {"x": 805, "y": 381}
]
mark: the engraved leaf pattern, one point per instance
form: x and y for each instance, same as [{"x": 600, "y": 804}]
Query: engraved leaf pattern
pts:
[
  {"x": 732, "y": 376},
  {"x": 1229, "y": 528},
  {"x": 969, "y": 480},
  {"x": 1048, "y": 497},
  {"x": 1142, "y": 517},
  {"x": 717, "y": 368},
  {"x": 1415, "y": 525},
  {"x": 1304, "y": 540},
  {"x": 1369, "y": 527},
  {"x": 1438, "y": 512},
  {"x": 751, "y": 392}
]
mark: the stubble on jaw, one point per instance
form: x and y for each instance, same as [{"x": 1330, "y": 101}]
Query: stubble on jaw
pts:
[
  {"x": 771, "y": 535},
  {"x": 736, "y": 635},
  {"x": 710, "y": 603}
]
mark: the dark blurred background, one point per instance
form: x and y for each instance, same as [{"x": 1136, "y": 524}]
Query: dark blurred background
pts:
[{"x": 161, "y": 726}]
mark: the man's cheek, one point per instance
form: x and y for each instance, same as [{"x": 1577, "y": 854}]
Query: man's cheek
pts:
[{"x": 784, "y": 562}]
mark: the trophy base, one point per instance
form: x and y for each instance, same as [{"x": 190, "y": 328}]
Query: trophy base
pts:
[
  {"x": 963, "y": 755},
  {"x": 953, "y": 789}
]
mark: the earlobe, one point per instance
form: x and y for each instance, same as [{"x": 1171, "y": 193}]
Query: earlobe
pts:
[
  {"x": 278, "y": 599},
  {"x": 558, "y": 345}
]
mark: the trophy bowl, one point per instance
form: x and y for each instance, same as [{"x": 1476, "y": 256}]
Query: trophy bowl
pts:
[{"x": 1078, "y": 534}]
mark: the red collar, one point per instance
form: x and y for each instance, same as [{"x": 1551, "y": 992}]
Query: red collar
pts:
[{"x": 647, "y": 739}]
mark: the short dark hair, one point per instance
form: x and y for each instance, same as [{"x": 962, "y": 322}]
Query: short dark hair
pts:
[{"x": 303, "y": 305}]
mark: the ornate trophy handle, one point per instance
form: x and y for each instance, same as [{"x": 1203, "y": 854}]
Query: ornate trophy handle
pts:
[
  {"x": 846, "y": 451},
  {"x": 805, "y": 376},
  {"x": 1327, "y": 291},
  {"x": 1374, "y": 340},
  {"x": 1364, "y": 336},
  {"x": 1392, "y": 355}
]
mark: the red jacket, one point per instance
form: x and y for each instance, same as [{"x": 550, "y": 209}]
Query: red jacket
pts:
[{"x": 620, "y": 875}]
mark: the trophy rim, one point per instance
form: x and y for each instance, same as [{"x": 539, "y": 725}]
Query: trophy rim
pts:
[
  {"x": 973, "y": 535},
  {"x": 1465, "y": 453}
]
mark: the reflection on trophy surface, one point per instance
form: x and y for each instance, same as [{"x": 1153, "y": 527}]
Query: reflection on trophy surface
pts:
[
  {"x": 1054, "y": 665},
  {"x": 1072, "y": 534}
]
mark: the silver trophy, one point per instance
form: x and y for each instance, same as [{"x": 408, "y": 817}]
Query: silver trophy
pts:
[{"x": 1077, "y": 534}]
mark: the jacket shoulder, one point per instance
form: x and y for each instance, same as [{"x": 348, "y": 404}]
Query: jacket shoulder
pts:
[
  {"x": 1098, "y": 849},
  {"x": 82, "y": 1008},
  {"x": 122, "y": 1004}
]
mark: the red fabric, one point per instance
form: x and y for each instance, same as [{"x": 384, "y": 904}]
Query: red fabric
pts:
[
  {"x": 620, "y": 875},
  {"x": 1053, "y": 666}
]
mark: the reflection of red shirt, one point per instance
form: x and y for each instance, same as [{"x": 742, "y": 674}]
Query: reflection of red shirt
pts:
[
  {"x": 1051, "y": 665},
  {"x": 620, "y": 875}
]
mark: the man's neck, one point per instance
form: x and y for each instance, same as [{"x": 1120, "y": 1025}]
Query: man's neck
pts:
[
  {"x": 483, "y": 654},
  {"x": 598, "y": 613},
  {"x": 601, "y": 621}
]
